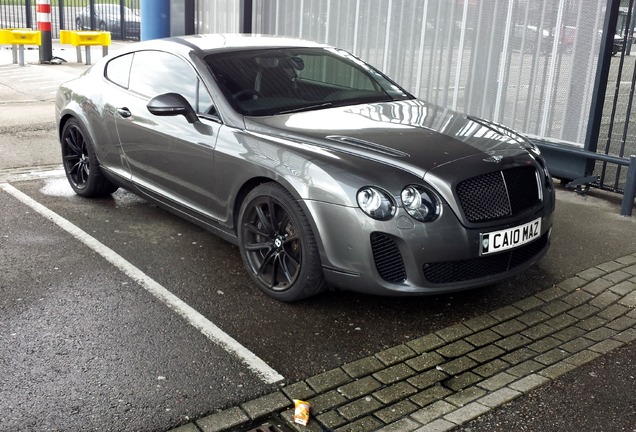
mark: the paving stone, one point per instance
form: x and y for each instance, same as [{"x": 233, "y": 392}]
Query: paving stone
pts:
[
  {"x": 606, "y": 346},
  {"x": 190, "y": 427},
  {"x": 399, "y": 372},
  {"x": 486, "y": 353},
  {"x": 533, "y": 317},
  {"x": 299, "y": 390},
  {"x": 491, "y": 368},
  {"x": 439, "y": 425},
  {"x": 591, "y": 274},
  {"x": 529, "y": 303},
  {"x": 457, "y": 366},
  {"x": 629, "y": 300},
  {"x": 577, "y": 345},
  {"x": 331, "y": 419},
  {"x": 554, "y": 293},
  {"x": 552, "y": 356},
  {"x": 498, "y": 381},
  {"x": 223, "y": 420},
  {"x": 509, "y": 327},
  {"x": 426, "y": 343},
  {"x": 395, "y": 392},
  {"x": 617, "y": 276},
  {"x": 427, "y": 379},
  {"x": 622, "y": 323},
  {"x": 631, "y": 270},
  {"x": 480, "y": 323},
  {"x": 455, "y": 349},
  {"x": 403, "y": 425},
  {"x": 598, "y": 286},
  {"x": 569, "y": 334},
  {"x": 499, "y": 397},
  {"x": 572, "y": 283},
  {"x": 627, "y": 260},
  {"x": 538, "y": 331},
  {"x": 453, "y": 333},
  {"x": 361, "y": 387},
  {"x": 363, "y": 367},
  {"x": 613, "y": 312},
  {"x": 623, "y": 288},
  {"x": 465, "y": 396},
  {"x": 562, "y": 321},
  {"x": 396, "y": 411},
  {"x": 288, "y": 417},
  {"x": 577, "y": 298},
  {"x": 556, "y": 307},
  {"x": 395, "y": 355},
  {"x": 610, "y": 266},
  {"x": 265, "y": 405},
  {"x": 592, "y": 323},
  {"x": 513, "y": 342},
  {"x": 519, "y": 356},
  {"x": 526, "y": 368},
  {"x": 433, "y": 411},
  {"x": 604, "y": 300},
  {"x": 467, "y": 413},
  {"x": 557, "y": 370},
  {"x": 529, "y": 383},
  {"x": 367, "y": 424},
  {"x": 430, "y": 395},
  {"x": 584, "y": 311},
  {"x": 462, "y": 381},
  {"x": 506, "y": 313},
  {"x": 581, "y": 358},
  {"x": 328, "y": 380},
  {"x": 482, "y": 338},
  {"x": 545, "y": 344},
  {"x": 425, "y": 361},
  {"x": 601, "y": 334},
  {"x": 360, "y": 408},
  {"x": 626, "y": 336},
  {"x": 326, "y": 401}
]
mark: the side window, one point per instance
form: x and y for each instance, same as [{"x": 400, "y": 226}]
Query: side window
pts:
[
  {"x": 118, "y": 70},
  {"x": 155, "y": 72}
]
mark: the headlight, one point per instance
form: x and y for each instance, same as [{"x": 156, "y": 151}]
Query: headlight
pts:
[
  {"x": 376, "y": 203},
  {"x": 420, "y": 203}
]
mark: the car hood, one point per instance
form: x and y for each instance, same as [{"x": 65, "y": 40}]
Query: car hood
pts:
[{"x": 412, "y": 135}]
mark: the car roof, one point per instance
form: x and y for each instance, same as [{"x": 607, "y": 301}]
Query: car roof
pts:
[{"x": 208, "y": 43}]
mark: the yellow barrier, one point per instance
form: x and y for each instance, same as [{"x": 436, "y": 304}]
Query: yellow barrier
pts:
[
  {"x": 19, "y": 37},
  {"x": 82, "y": 38}
]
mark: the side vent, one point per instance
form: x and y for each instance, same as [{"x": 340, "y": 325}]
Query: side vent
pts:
[{"x": 387, "y": 257}]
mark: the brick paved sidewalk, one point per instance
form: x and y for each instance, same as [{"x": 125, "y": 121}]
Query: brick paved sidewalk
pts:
[{"x": 449, "y": 377}]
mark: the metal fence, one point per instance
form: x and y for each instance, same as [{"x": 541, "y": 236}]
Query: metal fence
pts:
[{"x": 120, "y": 17}]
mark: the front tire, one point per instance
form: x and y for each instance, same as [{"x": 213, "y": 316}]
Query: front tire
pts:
[
  {"x": 80, "y": 163},
  {"x": 278, "y": 246}
]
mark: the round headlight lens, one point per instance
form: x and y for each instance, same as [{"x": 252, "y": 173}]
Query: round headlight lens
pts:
[
  {"x": 376, "y": 203},
  {"x": 421, "y": 204}
]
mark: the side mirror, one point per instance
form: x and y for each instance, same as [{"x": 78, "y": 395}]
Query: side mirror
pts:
[{"x": 172, "y": 104}]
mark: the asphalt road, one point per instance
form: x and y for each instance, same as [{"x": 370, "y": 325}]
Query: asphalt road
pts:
[{"x": 85, "y": 346}]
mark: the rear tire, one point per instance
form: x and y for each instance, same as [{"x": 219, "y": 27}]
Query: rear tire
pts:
[
  {"x": 80, "y": 163},
  {"x": 278, "y": 246}
]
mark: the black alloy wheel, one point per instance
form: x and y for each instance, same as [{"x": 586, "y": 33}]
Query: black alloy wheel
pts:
[
  {"x": 277, "y": 245},
  {"x": 80, "y": 163}
]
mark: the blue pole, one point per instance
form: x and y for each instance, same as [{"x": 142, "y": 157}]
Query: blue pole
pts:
[{"x": 155, "y": 19}]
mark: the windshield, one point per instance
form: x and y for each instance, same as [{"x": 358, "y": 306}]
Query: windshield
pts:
[{"x": 267, "y": 82}]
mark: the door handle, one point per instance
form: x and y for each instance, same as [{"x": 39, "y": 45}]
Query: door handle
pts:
[{"x": 124, "y": 112}]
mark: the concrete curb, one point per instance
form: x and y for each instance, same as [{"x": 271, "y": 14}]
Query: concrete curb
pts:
[{"x": 449, "y": 377}]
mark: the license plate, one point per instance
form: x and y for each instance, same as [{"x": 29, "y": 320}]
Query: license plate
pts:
[{"x": 498, "y": 241}]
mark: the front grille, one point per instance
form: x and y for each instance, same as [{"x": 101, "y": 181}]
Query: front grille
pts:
[
  {"x": 460, "y": 271},
  {"x": 499, "y": 194},
  {"x": 387, "y": 257}
]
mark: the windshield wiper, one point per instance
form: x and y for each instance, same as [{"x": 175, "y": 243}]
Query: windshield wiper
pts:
[{"x": 306, "y": 108}]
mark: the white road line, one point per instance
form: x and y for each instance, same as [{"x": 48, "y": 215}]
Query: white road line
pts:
[{"x": 201, "y": 323}]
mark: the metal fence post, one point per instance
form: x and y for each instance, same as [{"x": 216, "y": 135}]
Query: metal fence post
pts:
[
  {"x": 630, "y": 188},
  {"x": 29, "y": 14},
  {"x": 245, "y": 23}
]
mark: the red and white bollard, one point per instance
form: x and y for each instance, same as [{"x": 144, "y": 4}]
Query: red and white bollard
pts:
[{"x": 43, "y": 10}]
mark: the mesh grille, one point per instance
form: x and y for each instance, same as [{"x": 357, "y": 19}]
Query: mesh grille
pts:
[
  {"x": 498, "y": 194},
  {"x": 460, "y": 271},
  {"x": 388, "y": 260}
]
